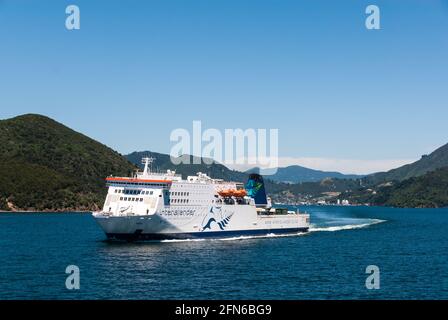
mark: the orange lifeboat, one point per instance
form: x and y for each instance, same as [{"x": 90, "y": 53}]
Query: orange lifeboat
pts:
[
  {"x": 240, "y": 193},
  {"x": 225, "y": 193},
  {"x": 232, "y": 193}
]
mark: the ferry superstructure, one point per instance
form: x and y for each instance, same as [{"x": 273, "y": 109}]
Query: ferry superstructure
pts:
[{"x": 156, "y": 206}]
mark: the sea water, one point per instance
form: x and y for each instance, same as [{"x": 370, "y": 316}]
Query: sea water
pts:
[{"x": 409, "y": 247}]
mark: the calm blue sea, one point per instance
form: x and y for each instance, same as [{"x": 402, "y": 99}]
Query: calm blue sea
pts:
[{"x": 410, "y": 247}]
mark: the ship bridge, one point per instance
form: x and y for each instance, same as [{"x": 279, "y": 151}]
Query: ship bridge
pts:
[{"x": 147, "y": 177}]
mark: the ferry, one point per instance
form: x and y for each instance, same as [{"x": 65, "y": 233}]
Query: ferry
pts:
[{"x": 161, "y": 205}]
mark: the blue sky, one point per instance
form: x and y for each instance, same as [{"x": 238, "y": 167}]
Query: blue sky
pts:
[{"x": 136, "y": 70}]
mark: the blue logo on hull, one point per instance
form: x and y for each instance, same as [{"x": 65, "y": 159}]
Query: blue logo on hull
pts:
[{"x": 216, "y": 216}]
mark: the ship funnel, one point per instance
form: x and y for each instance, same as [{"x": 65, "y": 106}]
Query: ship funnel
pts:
[{"x": 255, "y": 189}]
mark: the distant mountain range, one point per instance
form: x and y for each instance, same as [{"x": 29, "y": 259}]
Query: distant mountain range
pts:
[
  {"x": 291, "y": 174},
  {"x": 47, "y": 166},
  {"x": 299, "y": 174},
  {"x": 163, "y": 162},
  {"x": 423, "y": 183},
  {"x": 279, "y": 191}
]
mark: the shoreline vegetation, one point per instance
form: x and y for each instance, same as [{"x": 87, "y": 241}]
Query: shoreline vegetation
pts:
[
  {"x": 87, "y": 212},
  {"x": 44, "y": 212},
  {"x": 47, "y": 167}
]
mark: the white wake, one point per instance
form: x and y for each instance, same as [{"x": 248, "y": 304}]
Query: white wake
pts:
[
  {"x": 269, "y": 235},
  {"x": 313, "y": 228},
  {"x": 346, "y": 227},
  {"x": 182, "y": 240}
]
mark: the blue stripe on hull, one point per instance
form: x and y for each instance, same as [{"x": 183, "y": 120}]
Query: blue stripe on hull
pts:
[{"x": 199, "y": 235}]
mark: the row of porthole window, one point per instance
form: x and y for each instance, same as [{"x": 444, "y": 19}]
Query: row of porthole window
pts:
[
  {"x": 188, "y": 201},
  {"x": 175, "y": 193},
  {"x": 124, "y": 191},
  {"x": 180, "y": 200},
  {"x": 192, "y": 186},
  {"x": 131, "y": 199}
]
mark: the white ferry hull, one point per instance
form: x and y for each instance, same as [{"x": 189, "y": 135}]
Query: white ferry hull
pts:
[
  {"x": 213, "y": 222},
  {"x": 155, "y": 206}
]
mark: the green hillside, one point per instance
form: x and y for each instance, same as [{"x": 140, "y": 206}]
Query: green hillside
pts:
[
  {"x": 435, "y": 160},
  {"x": 419, "y": 184},
  {"x": 46, "y": 166},
  {"x": 429, "y": 190}
]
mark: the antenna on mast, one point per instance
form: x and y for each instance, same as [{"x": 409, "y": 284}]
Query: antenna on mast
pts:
[{"x": 147, "y": 161}]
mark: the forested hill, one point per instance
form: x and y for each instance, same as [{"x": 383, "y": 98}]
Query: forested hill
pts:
[
  {"x": 426, "y": 191},
  {"x": 429, "y": 190},
  {"x": 423, "y": 183},
  {"x": 45, "y": 165},
  {"x": 435, "y": 160}
]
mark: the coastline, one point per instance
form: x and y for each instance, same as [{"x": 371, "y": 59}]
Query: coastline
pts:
[
  {"x": 45, "y": 211},
  {"x": 283, "y": 204}
]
